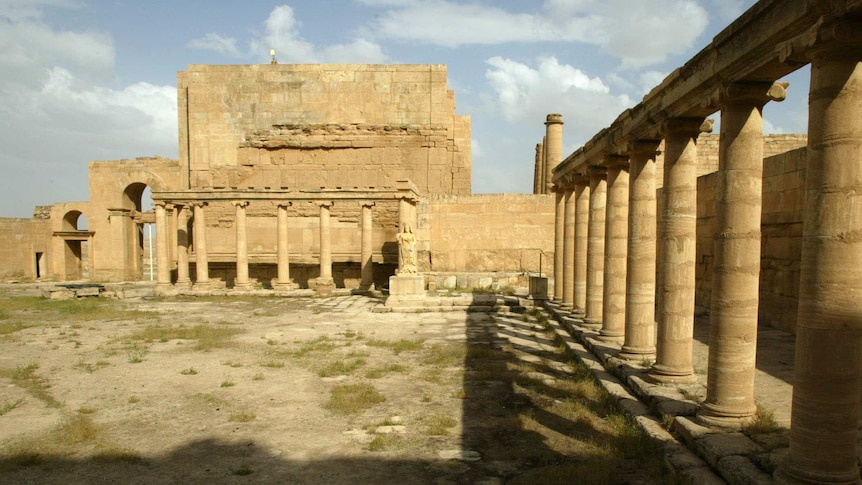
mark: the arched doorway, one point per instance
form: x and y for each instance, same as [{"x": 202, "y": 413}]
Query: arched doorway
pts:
[
  {"x": 76, "y": 242},
  {"x": 139, "y": 228}
]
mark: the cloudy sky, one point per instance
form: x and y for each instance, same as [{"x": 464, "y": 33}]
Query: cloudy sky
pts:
[{"x": 88, "y": 80}]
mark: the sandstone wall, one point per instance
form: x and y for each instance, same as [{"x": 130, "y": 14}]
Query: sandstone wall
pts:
[
  {"x": 781, "y": 238},
  {"x": 312, "y": 126},
  {"x": 487, "y": 233},
  {"x": 20, "y": 240}
]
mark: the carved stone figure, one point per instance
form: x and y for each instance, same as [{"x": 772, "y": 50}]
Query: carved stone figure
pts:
[{"x": 406, "y": 251}]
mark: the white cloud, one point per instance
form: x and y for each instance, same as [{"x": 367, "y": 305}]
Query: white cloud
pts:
[
  {"x": 60, "y": 107},
  {"x": 217, "y": 43},
  {"x": 282, "y": 33},
  {"x": 638, "y": 33},
  {"x": 526, "y": 93}
]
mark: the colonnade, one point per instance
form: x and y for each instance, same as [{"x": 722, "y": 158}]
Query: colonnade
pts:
[
  {"x": 181, "y": 216},
  {"x": 640, "y": 292}
]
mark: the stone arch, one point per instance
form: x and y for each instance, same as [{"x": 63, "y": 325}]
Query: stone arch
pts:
[
  {"x": 72, "y": 241},
  {"x": 131, "y": 202}
]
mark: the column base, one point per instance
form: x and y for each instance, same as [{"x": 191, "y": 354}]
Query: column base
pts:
[
  {"x": 789, "y": 474},
  {"x": 711, "y": 415},
  {"x": 202, "y": 286},
  {"x": 186, "y": 283},
  {"x": 660, "y": 374},
  {"x": 611, "y": 337},
  {"x": 592, "y": 323},
  {"x": 637, "y": 353},
  {"x": 322, "y": 286},
  {"x": 243, "y": 287},
  {"x": 286, "y": 286}
]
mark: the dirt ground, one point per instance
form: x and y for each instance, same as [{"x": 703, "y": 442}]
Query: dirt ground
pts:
[{"x": 243, "y": 390}]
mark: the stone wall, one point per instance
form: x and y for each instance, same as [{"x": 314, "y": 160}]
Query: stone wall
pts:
[
  {"x": 487, "y": 233},
  {"x": 781, "y": 238},
  {"x": 20, "y": 241},
  {"x": 313, "y": 126}
]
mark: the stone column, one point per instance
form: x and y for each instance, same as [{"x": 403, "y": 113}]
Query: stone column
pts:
[
  {"x": 582, "y": 217},
  {"x": 241, "y": 282},
  {"x": 639, "y": 340},
  {"x": 736, "y": 276},
  {"x": 559, "y": 247},
  {"x": 202, "y": 280},
  {"x": 543, "y": 173},
  {"x": 826, "y": 381},
  {"x": 163, "y": 271},
  {"x": 553, "y": 146},
  {"x": 616, "y": 246},
  {"x": 568, "y": 249},
  {"x": 325, "y": 246},
  {"x": 366, "y": 251},
  {"x": 284, "y": 282},
  {"x": 596, "y": 246},
  {"x": 537, "y": 170},
  {"x": 171, "y": 213},
  {"x": 183, "y": 279},
  {"x": 678, "y": 225}
]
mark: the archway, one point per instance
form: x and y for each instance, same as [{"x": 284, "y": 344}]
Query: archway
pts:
[
  {"x": 76, "y": 239},
  {"x": 138, "y": 202}
]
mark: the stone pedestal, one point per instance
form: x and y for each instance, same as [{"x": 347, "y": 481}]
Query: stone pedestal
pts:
[
  {"x": 408, "y": 285},
  {"x": 538, "y": 288},
  {"x": 322, "y": 286}
]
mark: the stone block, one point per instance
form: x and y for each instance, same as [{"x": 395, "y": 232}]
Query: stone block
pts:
[{"x": 406, "y": 285}]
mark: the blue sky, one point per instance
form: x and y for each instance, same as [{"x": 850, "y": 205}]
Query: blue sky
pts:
[{"x": 88, "y": 80}]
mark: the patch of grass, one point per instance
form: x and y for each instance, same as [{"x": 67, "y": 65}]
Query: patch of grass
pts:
[
  {"x": 320, "y": 344},
  {"x": 134, "y": 399},
  {"x": 10, "y": 405},
  {"x": 232, "y": 363},
  {"x": 763, "y": 422},
  {"x": 274, "y": 364},
  {"x": 353, "y": 398},
  {"x": 90, "y": 368},
  {"x": 207, "y": 337},
  {"x": 439, "y": 425},
  {"x": 379, "y": 372},
  {"x": 136, "y": 355},
  {"x": 78, "y": 429},
  {"x": 397, "y": 346},
  {"x": 11, "y": 327},
  {"x": 242, "y": 417},
  {"x": 258, "y": 377},
  {"x": 388, "y": 442},
  {"x": 445, "y": 355},
  {"x": 191, "y": 371},
  {"x": 86, "y": 410},
  {"x": 227, "y": 383},
  {"x": 340, "y": 367},
  {"x": 26, "y": 378},
  {"x": 241, "y": 470}
]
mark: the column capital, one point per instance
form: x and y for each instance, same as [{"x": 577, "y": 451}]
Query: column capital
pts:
[
  {"x": 198, "y": 203},
  {"x": 325, "y": 203},
  {"x": 753, "y": 93},
  {"x": 284, "y": 204},
  {"x": 841, "y": 37},
  {"x": 554, "y": 119},
  {"x": 368, "y": 203},
  {"x": 161, "y": 204},
  {"x": 648, "y": 148},
  {"x": 687, "y": 126},
  {"x": 615, "y": 161},
  {"x": 595, "y": 172},
  {"x": 240, "y": 203}
]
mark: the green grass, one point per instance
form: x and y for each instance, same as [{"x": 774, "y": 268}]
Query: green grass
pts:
[
  {"x": 10, "y": 405},
  {"x": 26, "y": 378},
  {"x": 340, "y": 367},
  {"x": 207, "y": 337},
  {"x": 378, "y": 372},
  {"x": 439, "y": 425},
  {"x": 191, "y": 371},
  {"x": 397, "y": 346},
  {"x": 353, "y": 398}
]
